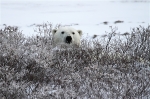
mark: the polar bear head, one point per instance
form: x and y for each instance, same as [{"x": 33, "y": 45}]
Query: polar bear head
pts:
[{"x": 67, "y": 36}]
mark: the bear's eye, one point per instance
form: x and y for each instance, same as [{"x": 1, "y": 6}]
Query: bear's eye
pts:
[
  {"x": 73, "y": 33},
  {"x": 62, "y": 32}
]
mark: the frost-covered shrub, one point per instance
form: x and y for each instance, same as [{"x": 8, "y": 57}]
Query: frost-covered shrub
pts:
[{"x": 116, "y": 66}]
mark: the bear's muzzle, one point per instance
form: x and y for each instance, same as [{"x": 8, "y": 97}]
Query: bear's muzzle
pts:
[{"x": 68, "y": 39}]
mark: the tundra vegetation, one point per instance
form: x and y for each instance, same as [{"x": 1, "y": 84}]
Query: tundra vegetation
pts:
[{"x": 114, "y": 66}]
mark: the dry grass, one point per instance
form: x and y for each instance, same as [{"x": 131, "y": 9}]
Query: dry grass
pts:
[{"x": 103, "y": 68}]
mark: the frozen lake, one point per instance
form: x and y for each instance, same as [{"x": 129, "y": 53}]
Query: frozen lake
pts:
[{"x": 88, "y": 14}]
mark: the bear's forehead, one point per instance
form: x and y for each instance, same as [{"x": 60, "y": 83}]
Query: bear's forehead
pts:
[{"x": 67, "y": 29}]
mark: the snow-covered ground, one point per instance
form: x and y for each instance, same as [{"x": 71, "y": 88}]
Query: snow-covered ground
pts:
[{"x": 89, "y": 15}]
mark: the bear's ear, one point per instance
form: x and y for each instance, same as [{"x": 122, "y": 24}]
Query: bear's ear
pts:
[
  {"x": 54, "y": 31},
  {"x": 80, "y": 32}
]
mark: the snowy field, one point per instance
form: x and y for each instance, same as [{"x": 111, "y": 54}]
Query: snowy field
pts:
[
  {"x": 107, "y": 68},
  {"x": 88, "y": 15}
]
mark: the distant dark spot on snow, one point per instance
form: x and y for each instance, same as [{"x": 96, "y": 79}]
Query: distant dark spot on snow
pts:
[
  {"x": 105, "y": 22},
  {"x": 118, "y": 21}
]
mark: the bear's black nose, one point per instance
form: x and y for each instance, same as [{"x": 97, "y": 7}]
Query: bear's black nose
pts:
[{"x": 68, "y": 39}]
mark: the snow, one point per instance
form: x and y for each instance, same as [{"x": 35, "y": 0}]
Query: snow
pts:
[{"x": 88, "y": 14}]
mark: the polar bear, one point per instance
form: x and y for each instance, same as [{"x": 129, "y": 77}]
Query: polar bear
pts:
[{"x": 66, "y": 36}]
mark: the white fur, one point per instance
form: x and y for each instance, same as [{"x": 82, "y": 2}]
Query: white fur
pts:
[{"x": 59, "y": 38}]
